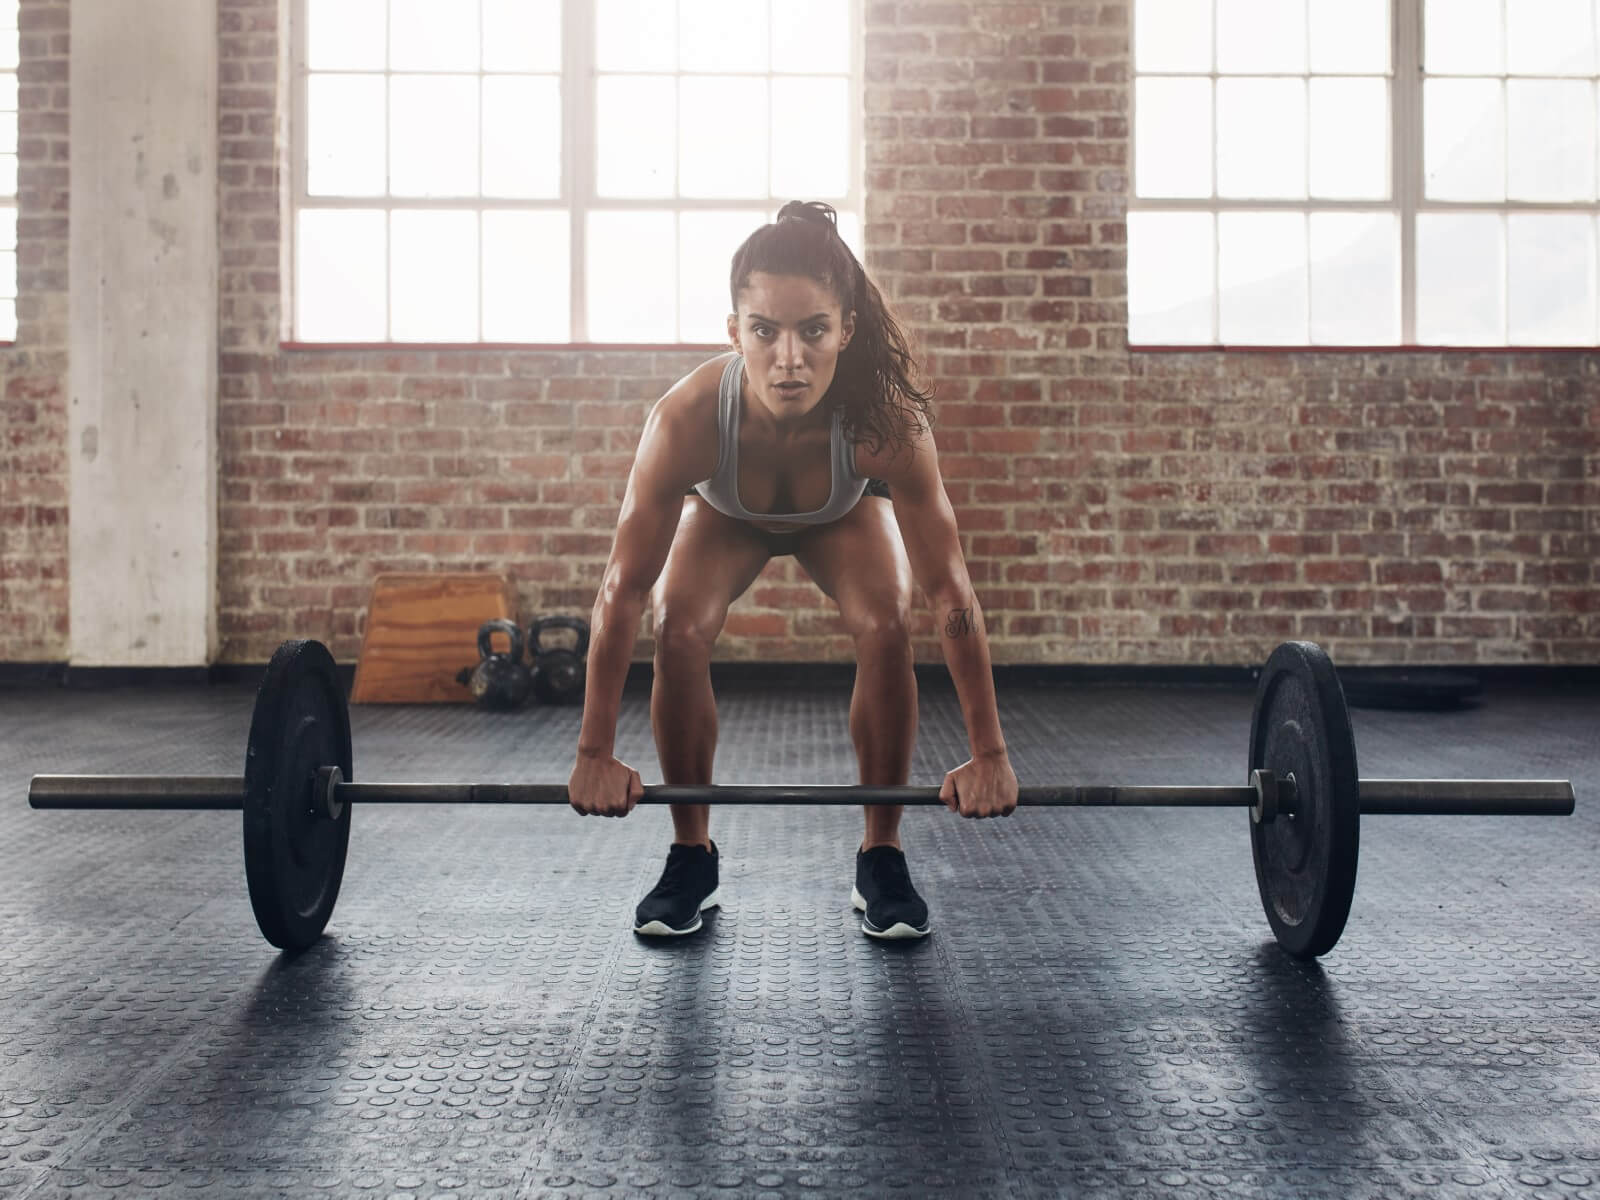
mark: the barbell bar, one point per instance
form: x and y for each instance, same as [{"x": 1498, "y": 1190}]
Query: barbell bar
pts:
[
  {"x": 1304, "y": 796},
  {"x": 1391, "y": 797}
]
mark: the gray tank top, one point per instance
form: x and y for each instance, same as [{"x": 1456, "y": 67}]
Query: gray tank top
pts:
[{"x": 721, "y": 491}]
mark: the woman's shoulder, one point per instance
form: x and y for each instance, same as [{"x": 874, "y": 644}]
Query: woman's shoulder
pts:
[{"x": 685, "y": 418}]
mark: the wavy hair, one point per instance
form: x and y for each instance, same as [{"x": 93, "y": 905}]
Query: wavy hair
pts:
[{"x": 876, "y": 384}]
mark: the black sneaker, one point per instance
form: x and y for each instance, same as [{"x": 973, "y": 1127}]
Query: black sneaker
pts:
[
  {"x": 884, "y": 893},
  {"x": 687, "y": 887}
]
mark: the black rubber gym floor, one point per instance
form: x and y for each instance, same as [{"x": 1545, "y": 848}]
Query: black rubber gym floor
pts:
[{"x": 1101, "y": 1010}]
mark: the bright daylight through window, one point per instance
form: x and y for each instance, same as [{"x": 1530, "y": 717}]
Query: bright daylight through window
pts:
[
  {"x": 537, "y": 171},
  {"x": 1298, "y": 181}
]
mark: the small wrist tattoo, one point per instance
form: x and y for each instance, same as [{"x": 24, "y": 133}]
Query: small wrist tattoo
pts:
[{"x": 959, "y": 623}]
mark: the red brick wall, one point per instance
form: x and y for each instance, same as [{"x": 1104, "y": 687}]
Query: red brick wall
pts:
[
  {"x": 33, "y": 372},
  {"x": 1189, "y": 507}
]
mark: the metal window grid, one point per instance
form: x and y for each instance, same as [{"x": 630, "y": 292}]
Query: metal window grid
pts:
[{"x": 579, "y": 86}]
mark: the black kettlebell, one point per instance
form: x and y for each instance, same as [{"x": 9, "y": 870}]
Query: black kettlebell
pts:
[
  {"x": 500, "y": 682},
  {"x": 558, "y": 672}
]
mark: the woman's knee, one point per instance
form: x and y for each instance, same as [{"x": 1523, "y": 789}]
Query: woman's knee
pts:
[
  {"x": 883, "y": 627},
  {"x": 686, "y": 634}
]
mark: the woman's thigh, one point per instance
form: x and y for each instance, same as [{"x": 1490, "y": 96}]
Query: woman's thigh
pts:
[
  {"x": 860, "y": 562},
  {"x": 713, "y": 559}
]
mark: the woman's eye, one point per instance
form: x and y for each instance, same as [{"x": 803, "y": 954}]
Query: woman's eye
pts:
[{"x": 816, "y": 331}]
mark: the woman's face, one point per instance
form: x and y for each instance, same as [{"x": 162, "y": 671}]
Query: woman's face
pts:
[{"x": 791, "y": 333}]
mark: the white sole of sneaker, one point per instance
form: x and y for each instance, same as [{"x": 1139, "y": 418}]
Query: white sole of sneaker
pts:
[
  {"x": 896, "y": 931},
  {"x": 662, "y": 929}
]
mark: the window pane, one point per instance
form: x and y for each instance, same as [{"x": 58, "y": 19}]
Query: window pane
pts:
[
  {"x": 810, "y": 35},
  {"x": 1171, "y": 278},
  {"x": 8, "y": 227},
  {"x": 626, "y": 248},
  {"x": 1350, "y": 138},
  {"x": 723, "y": 133},
  {"x": 8, "y": 274},
  {"x": 1355, "y": 279},
  {"x": 435, "y": 260},
  {"x": 1552, "y": 37},
  {"x": 521, "y": 35},
  {"x": 340, "y": 277},
  {"x": 344, "y": 135},
  {"x": 722, "y": 35},
  {"x": 1463, "y": 37},
  {"x": 637, "y": 146},
  {"x": 521, "y": 136},
  {"x": 8, "y": 174},
  {"x": 425, "y": 35},
  {"x": 433, "y": 135},
  {"x": 1551, "y": 257},
  {"x": 1463, "y": 139},
  {"x": 1261, "y": 138},
  {"x": 8, "y": 91},
  {"x": 1551, "y": 139},
  {"x": 706, "y": 242},
  {"x": 850, "y": 233},
  {"x": 1350, "y": 37},
  {"x": 1171, "y": 35},
  {"x": 810, "y": 146},
  {"x": 636, "y": 35},
  {"x": 1262, "y": 278},
  {"x": 8, "y": 321},
  {"x": 1172, "y": 137},
  {"x": 1261, "y": 36},
  {"x": 527, "y": 269},
  {"x": 1461, "y": 273},
  {"x": 8, "y": 133},
  {"x": 345, "y": 35}
]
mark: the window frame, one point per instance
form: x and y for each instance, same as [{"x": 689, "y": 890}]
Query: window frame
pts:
[
  {"x": 579, "y": 109},
  {"x": 1407, "y": 200}
]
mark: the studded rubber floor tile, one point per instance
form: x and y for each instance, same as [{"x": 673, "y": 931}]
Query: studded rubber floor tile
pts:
[{"x": 1101, "y": 1010}]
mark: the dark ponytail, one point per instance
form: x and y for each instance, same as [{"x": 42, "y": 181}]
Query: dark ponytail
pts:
[{"x": 876, "y": 383}]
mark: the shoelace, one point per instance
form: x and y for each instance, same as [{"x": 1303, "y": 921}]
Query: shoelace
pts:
[{"x": 675, "y": 878}]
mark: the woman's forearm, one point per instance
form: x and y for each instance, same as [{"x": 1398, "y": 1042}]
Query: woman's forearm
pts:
[
  {"x": 614, "y": 625},
  {"x": 966, "y": 653}
]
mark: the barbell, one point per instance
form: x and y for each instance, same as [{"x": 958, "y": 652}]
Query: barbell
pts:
[{"x": 1304, "y": 796}]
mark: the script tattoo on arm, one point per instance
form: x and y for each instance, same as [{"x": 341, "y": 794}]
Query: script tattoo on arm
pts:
[{"x": 959, "y": 623}]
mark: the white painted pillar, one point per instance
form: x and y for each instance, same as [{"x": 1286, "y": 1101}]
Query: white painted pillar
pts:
[{"x": 142, "y": 322}]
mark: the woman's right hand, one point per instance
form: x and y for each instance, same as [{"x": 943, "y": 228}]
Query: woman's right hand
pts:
[{"x": 603, "y": 787}]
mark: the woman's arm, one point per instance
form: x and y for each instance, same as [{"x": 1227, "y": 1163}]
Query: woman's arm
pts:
[
  {"x": 933, "y": 545},
  {"x": 675, "y": 450}
]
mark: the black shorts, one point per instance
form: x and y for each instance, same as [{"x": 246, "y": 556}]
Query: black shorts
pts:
[{"x": 780, "y": 544}]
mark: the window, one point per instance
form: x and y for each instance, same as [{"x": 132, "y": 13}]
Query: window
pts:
[
  {"x": 1299, "y": 181},
  {"x": 545, "y": 171},
  {"x": 9, "y": 54}
]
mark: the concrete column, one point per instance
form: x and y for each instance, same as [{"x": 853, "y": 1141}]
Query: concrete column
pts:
[{"x": 142, "y": 322}]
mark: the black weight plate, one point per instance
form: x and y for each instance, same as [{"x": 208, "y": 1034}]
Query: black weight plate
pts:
[
  {"x": 1306, "y": 863},
  {"x": 293, "y": 855}
]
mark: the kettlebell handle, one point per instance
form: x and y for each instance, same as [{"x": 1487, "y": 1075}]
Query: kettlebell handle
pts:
[
  {"x": 486, "y": 633},
  {"x": 577, "y": 624}
]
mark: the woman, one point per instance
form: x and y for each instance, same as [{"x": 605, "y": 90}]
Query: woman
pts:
[{"x": 809, "y": 439}]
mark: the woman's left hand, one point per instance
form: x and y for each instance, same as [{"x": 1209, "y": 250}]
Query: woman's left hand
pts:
[{"x": 984, "y": 786}]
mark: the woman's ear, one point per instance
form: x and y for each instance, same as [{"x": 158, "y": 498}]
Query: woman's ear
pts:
[
  {"x": 733, "y": 331},
  {"x": 847, "y": 330}
]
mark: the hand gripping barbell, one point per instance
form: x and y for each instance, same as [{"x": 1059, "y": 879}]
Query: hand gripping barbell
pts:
[{"x": 1304, "y": 796}]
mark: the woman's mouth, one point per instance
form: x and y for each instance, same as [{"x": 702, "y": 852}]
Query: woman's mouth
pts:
[{"x": 790, "y": 389}]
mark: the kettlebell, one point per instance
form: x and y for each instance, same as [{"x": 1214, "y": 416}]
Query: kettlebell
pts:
[
  {"x": 500, "y": 682},
  {"x": 558, "y": 672}
]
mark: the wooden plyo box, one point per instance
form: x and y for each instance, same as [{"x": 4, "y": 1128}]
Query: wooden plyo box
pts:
[{"x": 421, "y": 629}]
